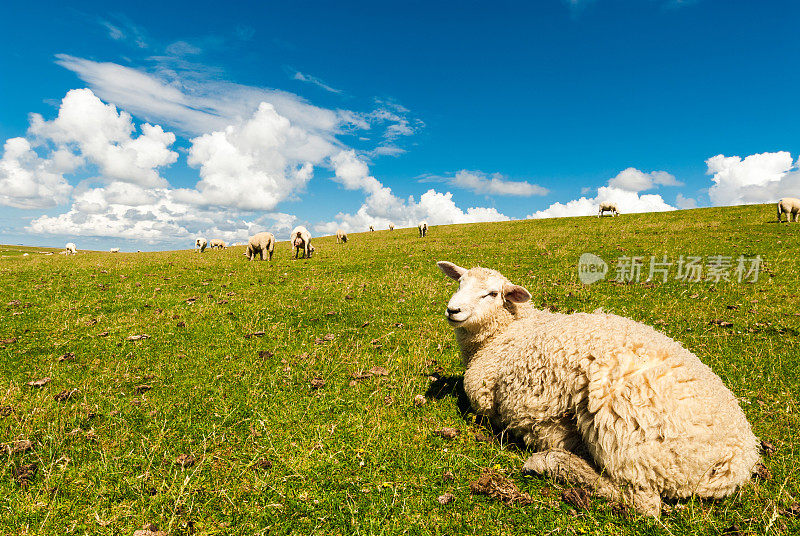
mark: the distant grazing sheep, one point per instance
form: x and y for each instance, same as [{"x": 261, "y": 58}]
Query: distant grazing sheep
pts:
[
  {"x": 200, "y": 244},
  {"x": 371, "y": 228},
  {"x": 607, "y": 206},
  {"x": 610, "y": 403},
  {"x": 301, "y": 238},
  {"x": 423, "y": 229},
  {"x": 391, "y": 227},
  {"x": 217, "y": 243},
  {"x": 70, "y": 248},
  {"x": 113, "y": 250},
  {"x": 789, "y": 206},
  {"x": 341, "y": 237},
  {"x": 261, "y": 244}
]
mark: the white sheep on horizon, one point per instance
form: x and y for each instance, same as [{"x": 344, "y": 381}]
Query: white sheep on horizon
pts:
[
  {"x": 791, "y": 207},
  {"x": 391, "y": 226},
  {"x": 608, "y": 206},
  {"x": 609, "y": 403},
  {"x": 341, "y": 237},
  {"x": 217, "y": 243},
  {"x": 423, "y": 229},
  {"x": 113, "y": 250},
  {"x": 200, "y": 244},
  {"x": 70, "y": 249}
]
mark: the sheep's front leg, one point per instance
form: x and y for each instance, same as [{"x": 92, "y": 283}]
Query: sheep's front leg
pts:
[{"x": 571, "y": 469}]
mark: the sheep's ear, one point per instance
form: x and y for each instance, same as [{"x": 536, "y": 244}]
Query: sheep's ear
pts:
[
  {"x": 516, "y": 293},
  {"x": 451, "y": 270}
]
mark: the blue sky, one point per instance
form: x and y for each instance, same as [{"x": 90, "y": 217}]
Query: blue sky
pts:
[{"x": 158, "y": 122}]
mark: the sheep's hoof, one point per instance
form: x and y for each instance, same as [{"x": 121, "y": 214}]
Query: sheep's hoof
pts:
[{"x": 536, "y": 464}]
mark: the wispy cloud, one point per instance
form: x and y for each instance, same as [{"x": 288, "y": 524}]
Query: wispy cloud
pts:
[
  {"x": 302, "y": 77},
  {"x": 122, "y": 29}
]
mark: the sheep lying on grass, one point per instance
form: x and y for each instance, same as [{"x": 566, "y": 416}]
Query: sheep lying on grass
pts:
[
  {"x": 113, "y": 250},
  {"x": 261, "y": 244},
  {"x": 610, "y": 403},
  {"x": 607, "y": 206},
  {"x": 301, "y": 239},
  {"x": 200, "y": 244},
  {"x": 70, "y": 249},
  {"x": 217, "y": 243},
  {"x": 423, "y": 229},
  {"x": 341, "y": 237},
  {"x": 789, "y": 206}
]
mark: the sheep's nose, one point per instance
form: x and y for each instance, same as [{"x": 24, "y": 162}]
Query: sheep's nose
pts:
[{"x": 451, "y": 312}]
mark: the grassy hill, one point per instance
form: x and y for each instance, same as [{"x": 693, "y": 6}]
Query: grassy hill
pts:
[{"x": 250, "y": 407}]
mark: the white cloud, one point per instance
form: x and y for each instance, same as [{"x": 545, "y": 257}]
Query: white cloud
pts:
[
  {"x": 633, "y": 180},
  {"x": 255, "y": 165},
  {"x": 623, "y": 189},
  {"x": 122, "y": 210},
  {"x": 153, "y": 215},
  {"x": 353, "y": 173},
  {"x": 28, "y": 181},
  {"x": 758, "y": 178},
  {"x": 495, "y": 184},
  {"x": 683, "y": 202},
  {"x": 102, "y": 136}
]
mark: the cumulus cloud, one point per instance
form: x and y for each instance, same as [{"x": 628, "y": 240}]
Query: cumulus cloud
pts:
[
  {"x": 128, "y": 211},
  {"x": 103, "y": 136},
  {"x": 494, "y": 184},
  {"x": 121, "y": 210},
  {"x": 623, "y": 189},
  {"x": 633, "y": 180},
  {"x": 28, "y": 181},
  {"x": 257, "y": 164},
  {"x": 757, "y": 178}
]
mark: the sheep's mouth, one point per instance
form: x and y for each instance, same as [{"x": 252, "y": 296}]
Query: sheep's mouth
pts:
[{"x": 454, "y": 321}]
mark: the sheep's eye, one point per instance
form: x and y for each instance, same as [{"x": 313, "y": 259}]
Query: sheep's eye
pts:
[{"x": 493, "y": 294}]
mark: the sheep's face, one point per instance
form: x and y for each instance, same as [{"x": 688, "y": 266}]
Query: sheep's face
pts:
[{"x": 481, "y": 295}]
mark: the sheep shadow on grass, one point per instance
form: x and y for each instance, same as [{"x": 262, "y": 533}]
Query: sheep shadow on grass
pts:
[{"x": 453, "y": 386}]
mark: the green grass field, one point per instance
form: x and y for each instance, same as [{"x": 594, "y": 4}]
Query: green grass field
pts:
[{"x": 208, "y": 426}]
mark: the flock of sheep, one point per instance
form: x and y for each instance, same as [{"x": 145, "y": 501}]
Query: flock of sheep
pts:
[
  {"x": 262, "y": 245},
  {"x": 607, "y": 402}
]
